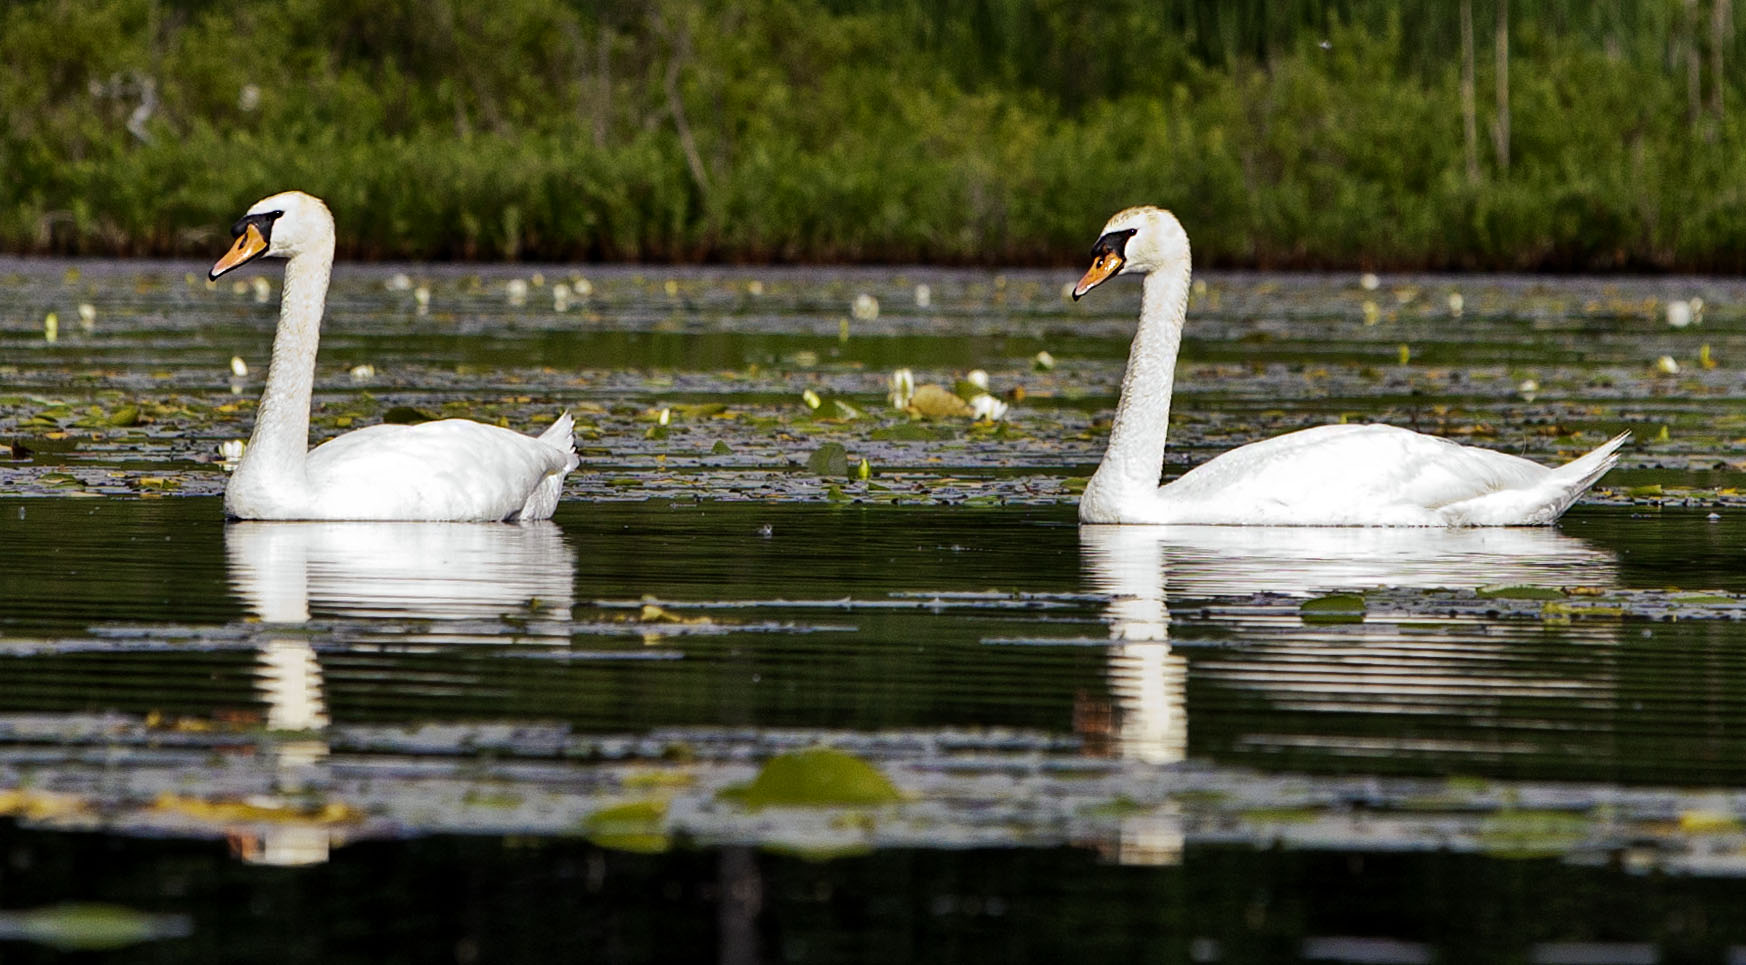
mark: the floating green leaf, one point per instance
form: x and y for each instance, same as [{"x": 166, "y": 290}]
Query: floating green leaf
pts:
[
  {"x": 830, "y": 459},
  {"x": 819, "y": 777},
  {"x": 1333, "y": 608},
  {"x": 637, "y": 826},
  {"x": 1503, "y": 591}
]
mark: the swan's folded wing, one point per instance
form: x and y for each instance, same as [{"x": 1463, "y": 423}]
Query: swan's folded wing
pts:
[
  {"x": 1347, "y": 473},
  {"x": 450, "y": 469}
]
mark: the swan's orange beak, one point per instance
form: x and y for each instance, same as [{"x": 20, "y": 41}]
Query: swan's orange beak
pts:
[
  {"x": 249, "y": 246},
  {"x": 1101, "y": 270}
]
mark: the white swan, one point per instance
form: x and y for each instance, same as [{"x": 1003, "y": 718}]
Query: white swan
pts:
[
  {"x": 1338, "y": 475},
  {"x": 453, "y": 469}
]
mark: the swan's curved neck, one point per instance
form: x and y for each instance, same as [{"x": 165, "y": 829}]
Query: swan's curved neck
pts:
[
  {"x": 280, "y": 442},
  {"x": 1135, "y": 457}
]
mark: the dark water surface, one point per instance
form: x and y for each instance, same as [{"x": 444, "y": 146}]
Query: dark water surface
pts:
[{"x": 486, "y": 743}]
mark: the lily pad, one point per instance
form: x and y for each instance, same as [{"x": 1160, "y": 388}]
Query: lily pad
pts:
[
  {"x": 637, "y": 827},
  {"x": 1333, "y": 608},
  {"x": 1501, "y": 591},
  {"x": 830, "y": 459},
  {"x": 819, "y": 777}
]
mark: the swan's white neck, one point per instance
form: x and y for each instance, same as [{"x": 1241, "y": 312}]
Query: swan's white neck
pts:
[
  {"x": 1135, "y": 457},
  {"x": 273, "y": 462}
]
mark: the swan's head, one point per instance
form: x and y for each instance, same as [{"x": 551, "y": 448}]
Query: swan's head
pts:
[
  {"x": 279, "y": 226},
  {"x": 1138, "y": 240}
]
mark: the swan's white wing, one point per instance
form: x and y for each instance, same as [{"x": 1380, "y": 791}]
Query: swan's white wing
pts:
[
  {"x": 1334, "y": 475},
  {"x": 452, "y": 469}
]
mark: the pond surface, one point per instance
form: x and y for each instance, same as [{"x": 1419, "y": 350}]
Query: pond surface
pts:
[{"x": 438, "y": 742}]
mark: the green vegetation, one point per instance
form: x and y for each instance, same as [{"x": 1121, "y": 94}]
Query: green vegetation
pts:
[{"x": 1310, "y": 133}]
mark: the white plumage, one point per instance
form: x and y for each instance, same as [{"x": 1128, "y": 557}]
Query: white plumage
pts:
[
  {"x": 452, "y": 469},
  {"x": 1341, "y": 475}
]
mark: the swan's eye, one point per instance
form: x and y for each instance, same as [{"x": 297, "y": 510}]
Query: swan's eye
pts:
[
  {"x": 263, "y": 223},
  {"x": 1114, "y": 243}
]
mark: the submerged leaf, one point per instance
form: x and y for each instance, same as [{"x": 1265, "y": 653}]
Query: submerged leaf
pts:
[
  {"x": 91, "y": 927},
  {"x": 406, "y": 415}
]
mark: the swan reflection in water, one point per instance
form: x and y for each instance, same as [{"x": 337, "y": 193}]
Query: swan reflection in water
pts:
[
  {"x": 459, "y": 579},
  {"x": 1141, "y": 568},
  {"x": 412, "y": 571}
]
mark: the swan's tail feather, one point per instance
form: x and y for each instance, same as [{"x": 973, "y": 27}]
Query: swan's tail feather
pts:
[
  {"x": 1576, "y": 476},
  {"x": 561, "y": 434},
  {"x": 543, "y": 501},
  {"x": 1542, "y": 503}
]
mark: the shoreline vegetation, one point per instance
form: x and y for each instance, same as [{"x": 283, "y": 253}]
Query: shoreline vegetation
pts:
[{"x": 1473, "y": 135}]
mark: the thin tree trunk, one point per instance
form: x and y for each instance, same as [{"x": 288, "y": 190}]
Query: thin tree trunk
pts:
[
  {"x": 1694, "y": 79},
  {"x": 1501, "y": 131},
  {"x": 1720, "y": 28},
  {"x": 681, "y": 43},
  {"x": 603, "y": 77},
  {"x": 1469, "y": 106}
]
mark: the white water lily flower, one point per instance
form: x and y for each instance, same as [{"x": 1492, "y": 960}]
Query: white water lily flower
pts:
[
  {"x": 1666, "y": 365},
  {"x": 978, "y": 378},
  {"x": 230, "y": 452},
  {"x": 985, "y": 406},
  {"x": 238, "y": 367},
  {"x": 1678, "y": 313},
  {"x": 924, "y": 296},
  {"x": 1043, "y": 361},
  {"x": 263, "y": 289},
  {"x": 1369, "y": 281},
  {"x": 1456, "y": 304},
  {"x": 902, "y": 384},
  {"x": 560, "y": 297},
  {"x": 421, "y": 295},
  {"x": 87, "y": 316},
  {"x": 516, "y": 291},
  {"x": 399, "y": 282},
  {"x": 865, "y": 307},
  {"x": 363, "y": 373},
  {"x": 581, "y": 286}
]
